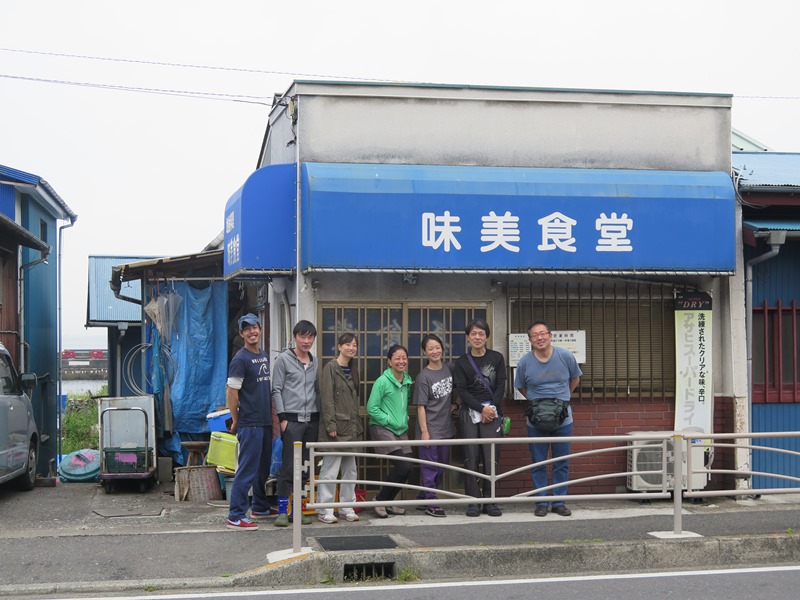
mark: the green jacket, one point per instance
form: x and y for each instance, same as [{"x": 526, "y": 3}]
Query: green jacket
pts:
[{"x": 388, "y": 402}]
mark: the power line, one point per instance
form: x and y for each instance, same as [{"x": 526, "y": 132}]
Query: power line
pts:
[
  {"x": 768, "y": 97},
  {"x": 190, "y": 66},
  {"x": 146, "y": 90},
  {"x": 230, "y": 69}
]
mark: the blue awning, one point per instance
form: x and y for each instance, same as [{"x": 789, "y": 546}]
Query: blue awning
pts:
[
  {"x": 260, "y": 224},
  {"x": 358, "y": 217},
  {"x": 363, "y": 217}
]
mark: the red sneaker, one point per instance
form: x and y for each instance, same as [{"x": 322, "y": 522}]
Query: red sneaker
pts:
[{"x": 243, "y": 524}]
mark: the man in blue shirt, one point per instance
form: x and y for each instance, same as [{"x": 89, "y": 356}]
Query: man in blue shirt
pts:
[
  {"x": 548, "y": 372},
  {"x": 249, "y": 399}
]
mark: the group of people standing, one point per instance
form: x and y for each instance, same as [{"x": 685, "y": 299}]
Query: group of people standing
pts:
[
  {"x": 478, "y": 378},
  {"x": 323, "y": 405}
]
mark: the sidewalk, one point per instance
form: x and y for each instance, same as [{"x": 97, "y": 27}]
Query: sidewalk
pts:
[{"x": 74, "y": 538}]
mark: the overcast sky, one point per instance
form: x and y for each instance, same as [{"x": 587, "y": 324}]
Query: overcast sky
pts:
[{"x": 149, "y": 173}]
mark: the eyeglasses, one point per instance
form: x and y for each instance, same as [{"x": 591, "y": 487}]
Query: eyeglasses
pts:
[{"x": 541, "y": 334}]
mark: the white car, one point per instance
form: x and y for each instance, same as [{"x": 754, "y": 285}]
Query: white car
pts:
[{"x": 19, "y": 436}]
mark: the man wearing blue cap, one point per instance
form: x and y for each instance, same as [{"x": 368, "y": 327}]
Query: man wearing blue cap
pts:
[{"x": 249, "y": 399}]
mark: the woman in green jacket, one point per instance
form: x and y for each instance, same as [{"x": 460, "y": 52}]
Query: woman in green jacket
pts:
[{"x": 388, "y": 421}]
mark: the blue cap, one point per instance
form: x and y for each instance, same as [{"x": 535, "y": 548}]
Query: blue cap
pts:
[{"x": 248, "y": 319}]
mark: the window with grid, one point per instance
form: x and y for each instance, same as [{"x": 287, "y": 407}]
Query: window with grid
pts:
[
  {"x": 380, "y": 326},
  {"x": 630, "y": 332},
  {"x": 776, "y": 361}
]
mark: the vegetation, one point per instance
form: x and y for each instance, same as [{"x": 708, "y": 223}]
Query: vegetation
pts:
[
  {"x": 408, "y": 574},
  {"x": 79, "y": 422}
]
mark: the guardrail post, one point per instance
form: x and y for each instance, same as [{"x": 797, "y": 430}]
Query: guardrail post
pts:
[
  {"x": 492, "y": 460},
  {"x": 678, "y": 449},
  {"x": 297, "y": 499}
]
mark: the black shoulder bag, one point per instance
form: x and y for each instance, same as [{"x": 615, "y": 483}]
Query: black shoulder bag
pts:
[{"x": 505, "y": 422}]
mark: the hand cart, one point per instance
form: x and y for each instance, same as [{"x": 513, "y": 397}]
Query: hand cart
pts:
[{"x": 127, "y": 449}]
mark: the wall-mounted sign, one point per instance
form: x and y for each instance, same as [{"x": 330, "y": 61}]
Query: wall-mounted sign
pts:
[
  {"x": 573, "y": 340},
  {"x": 694, "y": 386},
  {"x": 415, "y": 217}
]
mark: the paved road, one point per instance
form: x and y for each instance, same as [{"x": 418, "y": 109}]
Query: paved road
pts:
[
  {"x": 774, "y": 583},
  {"x": 76, "y": 533}
]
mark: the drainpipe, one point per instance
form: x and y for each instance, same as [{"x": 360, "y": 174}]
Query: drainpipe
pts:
[
  {"x": 59, "y": 326},
  {"x": 122, "y": 326},
  {"x": 279, "y": 288},
  {"x": 21, "y": 307},
  {"x": 293, "y": 110},
  {"x": 775, "y": 239}
]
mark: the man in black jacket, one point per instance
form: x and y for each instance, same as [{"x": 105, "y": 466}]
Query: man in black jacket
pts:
[{"x": 480, "y": 378}]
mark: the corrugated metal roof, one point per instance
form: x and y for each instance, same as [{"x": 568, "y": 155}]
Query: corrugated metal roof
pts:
[
  {"x": 767, "y": 169},
  {"x": 772, "y": 225},
  {"x": 9, "y": 175},
  {"x": 741, "y": 142},
  {"x": 17, "y": 176},
  {"x": 103, "y": 307},
  {"x": 171, "y": 266}
]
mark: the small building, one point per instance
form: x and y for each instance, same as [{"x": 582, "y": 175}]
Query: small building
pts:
[
  {"x": 769, "y": 185},
  {"x": 398, "y": 210},
  {"x": 121, "y": 315},
  {"x": 32, "y": 220},
  {"x": 189, "y": 325}
]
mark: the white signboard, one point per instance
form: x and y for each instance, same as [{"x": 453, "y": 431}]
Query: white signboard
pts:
[
  {"x": 573, "y": 340},
  {"x": 518, "y": 346},
  {"x": 694, "y": 390}
]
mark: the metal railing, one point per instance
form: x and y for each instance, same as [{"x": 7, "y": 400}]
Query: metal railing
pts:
[{"x": 673, "y": 445}]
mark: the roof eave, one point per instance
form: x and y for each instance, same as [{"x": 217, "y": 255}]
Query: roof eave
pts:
[{"x": 773, "y": 189}]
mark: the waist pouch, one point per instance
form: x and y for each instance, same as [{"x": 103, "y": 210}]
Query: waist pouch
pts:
[{"x": 547, "y": 414}]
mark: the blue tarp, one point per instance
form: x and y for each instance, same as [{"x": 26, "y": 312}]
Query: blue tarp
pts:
[{"x": 199, "y": 353}]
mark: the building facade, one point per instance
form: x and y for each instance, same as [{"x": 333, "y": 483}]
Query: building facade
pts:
[
  {"x": 769, "y": 183},
  {"x": 399, "y": 210},
  {"x": 34, "y": 217}
]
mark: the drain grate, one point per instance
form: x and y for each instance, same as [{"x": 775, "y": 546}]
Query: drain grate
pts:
[
  {"x": 369, "y": 572},
  {"x": 356, "y": 542}
]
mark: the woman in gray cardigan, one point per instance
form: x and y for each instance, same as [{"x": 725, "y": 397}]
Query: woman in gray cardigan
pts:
[{"x": 339, "y": 422}]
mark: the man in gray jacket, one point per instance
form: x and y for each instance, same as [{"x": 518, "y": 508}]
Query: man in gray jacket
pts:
[{"x": 295, "y": 394}]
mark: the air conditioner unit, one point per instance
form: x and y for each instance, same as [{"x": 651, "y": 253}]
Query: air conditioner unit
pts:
[{"x": 646, "y": 455}]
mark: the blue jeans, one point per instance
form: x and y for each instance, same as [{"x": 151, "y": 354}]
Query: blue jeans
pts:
[
  {"x": 539, "y": 452},
  {"x": 255, "y": 456}
]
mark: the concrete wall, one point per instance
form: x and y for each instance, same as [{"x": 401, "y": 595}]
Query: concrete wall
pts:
[{"x": 440, "y": 125}]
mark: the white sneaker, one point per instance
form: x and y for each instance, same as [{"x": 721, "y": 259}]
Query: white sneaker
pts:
[
  {"x": 349, "y": 517},
  {"x": 327, "y": 518}
]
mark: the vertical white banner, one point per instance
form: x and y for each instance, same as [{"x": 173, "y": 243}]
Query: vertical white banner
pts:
[{"x": 694, "y": 387}]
